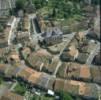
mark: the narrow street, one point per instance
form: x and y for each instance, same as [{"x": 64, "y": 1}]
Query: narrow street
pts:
[
  {"x": 93, "y": 53},
  {"x": 56, "y": 70}
]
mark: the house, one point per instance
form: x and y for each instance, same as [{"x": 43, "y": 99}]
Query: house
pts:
[
  {"x": 74, "y": 71},
  {"x": 85, "y": 72},
  {"x": 8, "y": 70},
  {"x": 23, "y": 32},
  {"x": 85, "y": 90},
  {"x": 97, "y": 58},
  {"x": 52, "y": 36},
  {"x": 41, "y": 60},
  {"x": 22, "y": 37},
  {"x": 82, "y": 58},
  {"x": 3, "y": 21},
  {"x": 8, "y": 34},
  {"x": 26, "y": 23},
  {"x": 59, "y": 85},
  {"x": 34, "y": 78},
  {"x": 67, "y": 86},
  {"x": 4, "y": 37},
  {"x": 11, "y": 71},
  {"x": 93, "y": 34},
  {"x": 25, "y": 52},
  {"x": 41, "y": 80},
  {"x": 21, "y": 13},
  {"x": 25, "y": 73},
  {"x": 38, "y": 59},
  {"x": 8, "y": 95},
  {"x": 3, "y": 53},
  {"x": 14, "y": 56},
  {"x": 73, "y": 52},
  {"x": 80, "y": 36},
  {"x": 70, "y": 54},
  {"x": 5, "y": 6},
  {"x": 96, "y": 74}
]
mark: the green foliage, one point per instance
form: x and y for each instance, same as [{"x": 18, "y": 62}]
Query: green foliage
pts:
[
  {"x": 96, "y": 2},
  {"x": 65, "y": 96},
  {"x": 1, "y": 28},
  {"x": 20, "y": 89},
  {"x": 61, "y": 8},
  {"x": 39, "y": 3},
  {"x": 20, "y": 4}
]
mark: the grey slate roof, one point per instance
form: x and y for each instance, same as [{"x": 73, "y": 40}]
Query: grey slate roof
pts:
[{"x": 52, "y": 32}]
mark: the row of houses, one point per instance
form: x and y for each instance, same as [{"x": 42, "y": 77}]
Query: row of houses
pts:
[
  {"x": 8, "y": 95},
  {"x": 48, "y": 34},
  {"x": 8, "y": 34},
  {"x": 45, "y": 81},
  {"x": 19, "y": 30},
  {"x": 77, "y": 88},
  {"x": 23, "y": 30},
  {"x": 79, "y": 49},
  {"x": 40, "y": 60},
  {"x": 81, "y": 72},
  {"x": 16, "y": 29},
  {"x": 6, "y": 6}
]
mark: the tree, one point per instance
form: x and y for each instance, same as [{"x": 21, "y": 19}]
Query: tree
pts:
[
  {"x": 96, "y": 2},
  {"x": 39, "y": 3},
  {"x": 20, "y": 4}
]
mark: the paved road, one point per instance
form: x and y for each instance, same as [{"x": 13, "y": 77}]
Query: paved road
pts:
[{"x": 58, "y": 66}]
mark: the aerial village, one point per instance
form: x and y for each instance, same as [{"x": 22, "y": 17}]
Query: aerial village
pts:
[{"x": 42, "y": 58}]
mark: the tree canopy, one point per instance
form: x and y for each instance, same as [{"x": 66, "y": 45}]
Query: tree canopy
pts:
[{"x": 20, "y": 4}]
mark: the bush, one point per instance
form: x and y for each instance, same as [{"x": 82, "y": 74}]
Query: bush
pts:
[
  {"x": 65, "y": 96},
  {"x": 20, "y": 4},
  {"x": 20, "y": 89}
]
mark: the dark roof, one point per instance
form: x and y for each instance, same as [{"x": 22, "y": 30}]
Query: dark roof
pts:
[
  {"x": 82, "y": 58},
  {"x": 52, "y": 32},
  {"x": 97, "y": 59}
]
